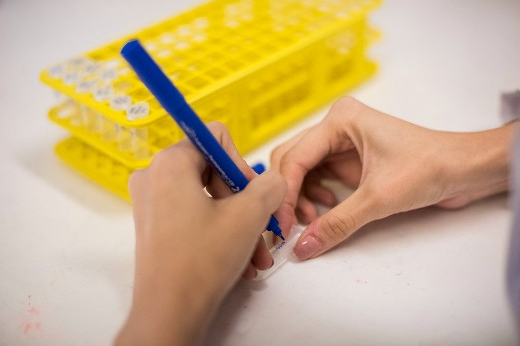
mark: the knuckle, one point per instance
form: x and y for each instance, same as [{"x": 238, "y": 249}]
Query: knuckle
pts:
[
  {"x": 291, "y": 169},
  {"x": 338, "y": 228},
  {"x": 134, "y": 182},
  {"x": 346, "y": 105},
  {"x": 347, "y": 102},
  {"x": 277, "y": 154},
  {"x": 284, "y": 162},
  {"x": 222, "y": 134},
  {"x": 281, "y": 183},
  {"x": 218, "y": 129},
  {"x": 168, "y": 160},
  {"x": 161, "y": 160}
]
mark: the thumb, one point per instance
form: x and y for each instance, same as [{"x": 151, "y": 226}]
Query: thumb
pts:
[
  {"x": 335, "y": 226},
  {"x": 253, "y": 206}
]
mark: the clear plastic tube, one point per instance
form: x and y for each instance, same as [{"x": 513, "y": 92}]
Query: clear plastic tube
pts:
[
  {"x": 107, "y": 128},
  {"x": 282, "y": 252},
  {"x": 138, "y": 135},
  {"x": 67, "y": 108},
  {"x": 139, "y": 142},
  {"x": 123, "y": 139},
  {"x": 88, "y": 119}
]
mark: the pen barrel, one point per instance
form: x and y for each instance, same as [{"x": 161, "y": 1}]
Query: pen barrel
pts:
[
  {"x": 209, "y": 147},
  {"x": 174, "y": 103}
]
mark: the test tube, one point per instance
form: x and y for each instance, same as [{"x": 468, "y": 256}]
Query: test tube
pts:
[
  {"x": 121, "y": 103},
  {"x": 88, "y": 116},
  {"x": 138, "y": 135},
  {"x": 106, "y": 127},
  {"x": 88, "y": 119},
  {"x": 67, "y": 109}
]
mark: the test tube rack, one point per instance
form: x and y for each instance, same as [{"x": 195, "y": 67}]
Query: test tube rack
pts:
[{"x": 258, "y": 66}]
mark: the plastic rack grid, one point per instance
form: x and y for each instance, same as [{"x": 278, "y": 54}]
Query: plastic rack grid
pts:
[{"x": 258, "y": 66}]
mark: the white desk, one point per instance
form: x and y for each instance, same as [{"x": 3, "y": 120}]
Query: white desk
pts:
[{"x": 428, "y": 277}]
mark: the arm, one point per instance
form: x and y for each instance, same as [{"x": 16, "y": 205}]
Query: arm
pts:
[
  {"x": 393, "y": 165},
  {"x": 184, "y": 262}
]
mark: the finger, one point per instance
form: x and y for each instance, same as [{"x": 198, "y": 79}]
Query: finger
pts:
[
  {"x": 337, "y": 225},
  {"x": 318, "y": 193},
  {"x": 279, "y": 152},
  {"x": 137, "y": 190},
  {"x": 315, "y": 145},
  {"x": 286, "y": 216},
  {"x": 305, "y": 210},
  {"x": 181, "y": 163},
  {"x": 347, "y": 168},
  {"x": 262, "y": 258},
  {"x": 184, "y": 159},
  {"x": 257, "y": 201},
  {"x": 250, "y": 273},
  {"x": 215, "y": 185},
  {"x": 315, "y": 191},
  {"x": 135, "y": 182}
]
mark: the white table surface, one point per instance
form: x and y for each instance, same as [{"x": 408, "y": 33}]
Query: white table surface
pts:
[{"x": 428, "y": 277}]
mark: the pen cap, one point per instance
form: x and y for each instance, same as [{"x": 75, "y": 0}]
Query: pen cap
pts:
[
  {"x": 259, "y": 168},
  {"x": 150, "y": 73}
]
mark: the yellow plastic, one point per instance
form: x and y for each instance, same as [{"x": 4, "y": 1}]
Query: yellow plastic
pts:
[
  {"x": 258, "y": 66},
  {"x": 95, "y": 165}
]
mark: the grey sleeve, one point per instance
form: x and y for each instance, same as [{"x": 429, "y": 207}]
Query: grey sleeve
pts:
[
  {"x": 513, "y": 271},
  {"x": 511, "y": 111},
  {"x": 510, "y": 106}
]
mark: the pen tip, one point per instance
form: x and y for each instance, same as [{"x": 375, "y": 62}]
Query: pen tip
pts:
[{"x": 281, "y": 236}]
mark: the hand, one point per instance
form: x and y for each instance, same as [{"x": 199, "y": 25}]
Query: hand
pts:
[
  {"x": 394, "y": 166},
  {"x": 190, "y": 248}
]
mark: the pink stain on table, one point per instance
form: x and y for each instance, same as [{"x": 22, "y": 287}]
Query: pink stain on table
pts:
[
  {"x": 31, "y": 324},
  {"x": 33, "y": 311},
  {"x": 28, "y": 327}
]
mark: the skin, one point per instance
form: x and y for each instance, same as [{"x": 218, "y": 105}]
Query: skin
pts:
[
  {"x": 394, "y": 166},
  {"x": 184, "y": 264}
]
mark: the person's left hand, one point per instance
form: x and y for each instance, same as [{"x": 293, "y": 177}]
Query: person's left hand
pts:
[{"x": 191, "y": 248}]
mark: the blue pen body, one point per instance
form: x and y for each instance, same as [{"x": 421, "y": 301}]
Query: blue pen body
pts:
[{"x": 174, "y": 103}]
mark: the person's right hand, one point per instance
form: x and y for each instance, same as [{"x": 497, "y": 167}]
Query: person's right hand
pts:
[{"x": 394, "y": 166}]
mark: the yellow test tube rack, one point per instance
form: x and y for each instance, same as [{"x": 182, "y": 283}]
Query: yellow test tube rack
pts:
[{"x": 257, "y": 66}]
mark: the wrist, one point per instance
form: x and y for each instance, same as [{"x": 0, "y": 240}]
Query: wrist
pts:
[{"x": 476, "y": 165}]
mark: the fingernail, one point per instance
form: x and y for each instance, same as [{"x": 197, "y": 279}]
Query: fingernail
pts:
[
  {"x": 308, "y": 247},
  {"x": 250, "y": 273}
]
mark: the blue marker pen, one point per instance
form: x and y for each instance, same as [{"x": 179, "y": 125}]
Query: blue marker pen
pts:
[
  {"x": 175, "y": 104},
  {"x": 258, "y": 167}
]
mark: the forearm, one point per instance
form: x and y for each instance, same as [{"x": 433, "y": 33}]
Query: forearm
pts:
[
  {"x": 157, "y": 326},
  {"x": 169, "y": 308}
]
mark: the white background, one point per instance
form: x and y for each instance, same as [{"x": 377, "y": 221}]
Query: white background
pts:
[{"x": 428, "y": 277}]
